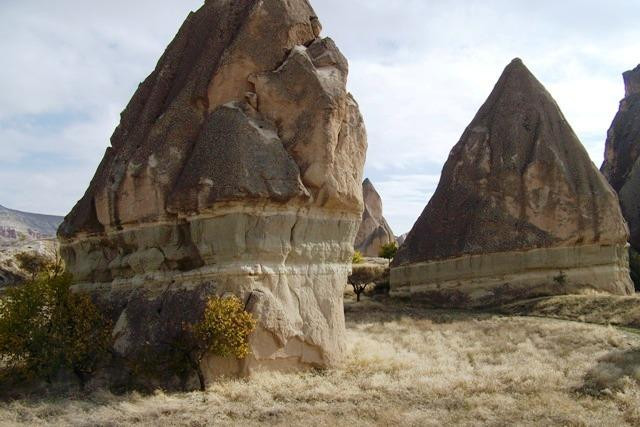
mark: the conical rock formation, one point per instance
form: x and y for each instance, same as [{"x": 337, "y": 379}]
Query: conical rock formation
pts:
[
  {"x": 374, "y": 231},
  {"x": 236, "y": 169},
  {"x": 520, "y": 210},
  {"x": 621, "y": 166}
]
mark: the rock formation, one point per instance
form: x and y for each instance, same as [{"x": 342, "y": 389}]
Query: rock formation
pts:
[
  {"x": 520, "y": 210},
  {"x": 621, "y": 166},
  {"x": 235, "y": 169},
  {"x": 400, "y": 239},
  {"x": 374, "y": 231}
]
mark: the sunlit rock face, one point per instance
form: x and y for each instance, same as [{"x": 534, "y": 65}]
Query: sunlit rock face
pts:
[
  {"x": 236, "y": 169},
  {"x": 374, "y": 231},
  {"x": 520, "y": 211},
  {"x": 621, "y": 165}
]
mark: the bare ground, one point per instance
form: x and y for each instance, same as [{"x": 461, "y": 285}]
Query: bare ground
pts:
[{"x": 406, "y": 365}]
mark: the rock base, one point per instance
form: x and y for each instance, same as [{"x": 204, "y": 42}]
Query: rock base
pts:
[
  {"x": 499, "y": 278},
  {"x": 295, "y": 292}
]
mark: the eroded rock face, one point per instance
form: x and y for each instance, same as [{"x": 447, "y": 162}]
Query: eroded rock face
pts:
[
  {"x": 236, "y": 169},
  {"x": 374, "y": 231},
  {"x": 621, "y": 166},
  {"x": 520, "y": 210}
]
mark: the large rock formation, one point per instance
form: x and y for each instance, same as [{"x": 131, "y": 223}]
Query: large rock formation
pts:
[
  {"x": 374, "y": 232},
  {"x": 520, "y": 210},
  {"x": 236, "y": 169},
  {"x": 621, "y": 166}
]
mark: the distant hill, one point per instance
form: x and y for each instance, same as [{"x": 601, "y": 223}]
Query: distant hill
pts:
[{"x": 17, "y": 225}]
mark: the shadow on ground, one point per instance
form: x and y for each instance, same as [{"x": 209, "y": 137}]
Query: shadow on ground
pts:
[
  {"x": 383, "y": 308},
  {"x": 612, "y": 372}
]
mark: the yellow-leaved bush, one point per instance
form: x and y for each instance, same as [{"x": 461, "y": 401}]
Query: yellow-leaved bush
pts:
[
  {"x": 223, "y": 331},
  {"x": 225, "y": 328}
]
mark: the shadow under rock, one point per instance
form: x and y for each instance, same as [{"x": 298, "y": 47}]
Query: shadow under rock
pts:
[
  {"x": 385, "y": 308},
  {"x": 612, "y": 372}
]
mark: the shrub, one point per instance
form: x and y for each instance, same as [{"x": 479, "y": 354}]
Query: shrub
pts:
[
  {"x": 560, "y": 279},
  {"x": 32, "y": 263},
  {"x": 223, "y": 331},
  {"x": 36, "y": 264},
  {"x": 357, "y": 258},
  {"x": 388, "y": 251},
  {"x": 44, "y": 328}
]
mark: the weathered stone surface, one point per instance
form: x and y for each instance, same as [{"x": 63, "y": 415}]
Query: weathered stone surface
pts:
[
  {"x": 621, "y": 166},
  {"x": 374, "y": 231},
  {"x": 520, "y": 210},
  {"x": 236, "y": 169}
]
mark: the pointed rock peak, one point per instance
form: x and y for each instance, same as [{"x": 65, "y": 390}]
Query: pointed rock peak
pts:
[
  {"x": 518, "y": 194},
  {"x": 367, "y": 183},
  {"x": 517, "y": 77},
  {"x": 632, "y": 81},
  {"x": 374, "y": 230}
]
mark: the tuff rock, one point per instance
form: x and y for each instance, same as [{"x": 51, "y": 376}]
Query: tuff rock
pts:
[
  {"x": 520, "y": 211},
  {"x": 235, "y": 169},
  {"x": 374, "y": 231},
  {"x": 621, "y": 166}
]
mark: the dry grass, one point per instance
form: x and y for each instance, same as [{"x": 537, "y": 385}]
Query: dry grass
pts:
[
  {"x": 597, "y": 308},
  {"x": 406, "y": 366}
]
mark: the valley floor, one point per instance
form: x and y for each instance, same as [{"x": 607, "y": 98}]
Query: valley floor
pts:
[{"x": 406, "y": 365}]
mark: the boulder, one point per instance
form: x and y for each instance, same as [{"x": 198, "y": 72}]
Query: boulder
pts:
[
  {"x": 374, "y": 231},
  {"x": 235, "y": 169},
  {"x": 520, "y": 211},
  {"x": 621, "y": 166}
]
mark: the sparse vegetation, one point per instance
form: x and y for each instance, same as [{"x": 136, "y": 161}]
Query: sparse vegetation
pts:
[
  {"x": 35, "y": 264},
  {"x": 45, "y": 329},
  {"x": 32, "y": 263},
  {"x": 223, "y": 331},
  {"x": 560, "y": 279},
  {"x": 357, "y": 258},
  {"x": 405, "y": 365},
  {"x": 388, "y": 251}
]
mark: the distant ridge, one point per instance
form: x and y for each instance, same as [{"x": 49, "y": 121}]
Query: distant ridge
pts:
[{"x": 16, "y": 225}]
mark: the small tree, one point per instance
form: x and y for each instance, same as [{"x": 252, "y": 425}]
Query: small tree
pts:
[
  {"x": 357, "y": 258},
  {"x": 364, "y": 275},
  {"x": 44, "y": 327},
  {"x": 388, "y": 251},
  {"x": 33, "y": 263},
  {"x": 223, "y": 331}
]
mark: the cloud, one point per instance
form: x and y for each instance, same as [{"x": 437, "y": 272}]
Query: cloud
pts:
[{"x": 420, "y": 69}]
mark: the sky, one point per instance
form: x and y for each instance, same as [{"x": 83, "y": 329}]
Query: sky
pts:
[{"x": 420, "y": 69}]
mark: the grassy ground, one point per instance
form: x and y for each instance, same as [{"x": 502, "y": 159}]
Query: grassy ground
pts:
[
  {"x": 406, "y": 365},
  {"x": 599, "y": 309}
]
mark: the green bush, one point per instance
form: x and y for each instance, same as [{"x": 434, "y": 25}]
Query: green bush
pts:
[
  {"x": 388, "y": 251},
  {"x": 357, "y": 258},
  {"x": 45, "y": 328},
  {"x": 223, "y": 331},
  {"x": 634, "y": 267}
]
